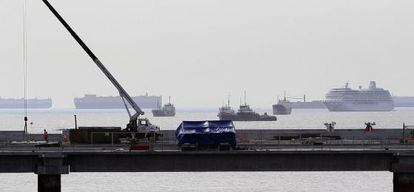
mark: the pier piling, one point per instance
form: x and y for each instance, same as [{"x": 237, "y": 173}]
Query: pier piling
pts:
[
  {"x": 50, "y": 166},
  {"x": 403, "y": 182},
  {"x": 48, "y": 183},
  {"x": 403, "y": 170}
]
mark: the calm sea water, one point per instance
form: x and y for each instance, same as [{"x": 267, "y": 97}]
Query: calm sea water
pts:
[
  {"x": 210, "y": 182},
  {"x": 55, "y": 119}
]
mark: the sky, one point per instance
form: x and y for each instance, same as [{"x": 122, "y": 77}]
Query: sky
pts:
[{"x": 200, "y": 51}]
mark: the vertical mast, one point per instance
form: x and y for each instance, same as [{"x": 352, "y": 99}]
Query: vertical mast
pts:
[
  {"x": 25, "y": 64},
  {"x": 245, "y": 102}
]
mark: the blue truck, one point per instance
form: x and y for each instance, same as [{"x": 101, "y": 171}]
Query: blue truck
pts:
[{"x": 218, "y": 134}]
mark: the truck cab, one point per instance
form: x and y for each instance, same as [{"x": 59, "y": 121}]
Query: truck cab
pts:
[{"x": 145, "y": 125}]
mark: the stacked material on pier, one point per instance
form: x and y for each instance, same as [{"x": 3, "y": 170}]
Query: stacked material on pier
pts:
[
  {"x": 208, "y": 133},
  {"x": 95, "y": 135}
]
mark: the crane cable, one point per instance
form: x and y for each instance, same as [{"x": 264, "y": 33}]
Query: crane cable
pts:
[{"x": 25, "y": 64}]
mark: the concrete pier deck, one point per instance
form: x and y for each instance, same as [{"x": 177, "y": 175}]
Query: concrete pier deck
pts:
[
  {"x": 50, "y": 163},
  {"x": 259, "y": 150}
]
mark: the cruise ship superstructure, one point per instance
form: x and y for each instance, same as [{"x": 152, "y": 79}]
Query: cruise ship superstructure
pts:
[{"x": 370, "y": 99}]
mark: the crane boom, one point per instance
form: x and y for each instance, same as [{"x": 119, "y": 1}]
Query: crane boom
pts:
[{"x": 121, "y": 90}]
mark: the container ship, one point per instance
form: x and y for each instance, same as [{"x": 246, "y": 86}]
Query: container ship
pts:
[
  {"x": 370, "y": 99},
  {"x": 90, "y": 101},
  {"x": 34, "y": 103}
]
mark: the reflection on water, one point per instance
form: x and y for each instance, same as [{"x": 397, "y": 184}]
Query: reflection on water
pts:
[{"x": 210, "y": 182}]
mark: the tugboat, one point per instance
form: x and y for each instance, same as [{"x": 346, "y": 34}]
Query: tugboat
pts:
[
  {"x": 245, "y": 113},
  {"x": 283, "y": 107},
  {"x": 168, "y": 110}
]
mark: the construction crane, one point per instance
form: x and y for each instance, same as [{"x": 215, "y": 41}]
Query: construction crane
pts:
[{"x": 136, "y": 124}]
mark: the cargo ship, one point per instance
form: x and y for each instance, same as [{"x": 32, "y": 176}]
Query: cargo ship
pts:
[
  {"x": 308, "y": 105},
  {"x": 282, "y": 107},
  {"x": 168, "y": 110},
  {"x": 34, "y": 103},
  {"x": 403, "y": 101},
  {"x": 370, "y": 99},
  {"x": 90, "y": 101},
  {"x": 301, "y": 103}
]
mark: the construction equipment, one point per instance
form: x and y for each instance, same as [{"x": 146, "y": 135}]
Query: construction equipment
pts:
[
  {"x": 136, "y": 125},
  {"x": 408, "y": 134}
]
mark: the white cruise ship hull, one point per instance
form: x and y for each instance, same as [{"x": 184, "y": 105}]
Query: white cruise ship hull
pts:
[{"x": 339, "y": 106}]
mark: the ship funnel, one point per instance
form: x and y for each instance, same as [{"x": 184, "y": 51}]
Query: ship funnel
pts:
[{"x": 372, "y": 85}]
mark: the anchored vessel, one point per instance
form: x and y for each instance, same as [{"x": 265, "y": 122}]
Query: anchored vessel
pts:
[
  {"x": 283, "y": 107},
  {"x": 403, "y": 101},
  {"x": 90, "y": 101},
  {"x": 308, "y": 105},
  {"x": 226, "y": 110},
  {"x": 371, "y": 99},
  {"x": 302, "y": 103},
  {"x": 31, "y": 103},
  {"x": 245, "y": 113},
  {"x": 168, "y": 110}
]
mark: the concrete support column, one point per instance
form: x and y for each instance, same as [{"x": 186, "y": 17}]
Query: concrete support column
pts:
[
  {"x": 48, "y": 183},
  {"x": 49, "y": 169},
  {"x": 403, "y": 182},
  {"x": 403, "y": 170}
]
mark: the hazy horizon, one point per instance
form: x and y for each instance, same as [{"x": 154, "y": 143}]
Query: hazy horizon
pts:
[{"x": 200, "y": 51}]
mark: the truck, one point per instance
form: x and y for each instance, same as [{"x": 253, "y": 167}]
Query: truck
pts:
[{"x": 137, "y": 128}]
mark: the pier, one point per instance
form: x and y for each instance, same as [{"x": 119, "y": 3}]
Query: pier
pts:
[
  {"x": 258, "y": 150},
  {"x": 50, "y": 163}
]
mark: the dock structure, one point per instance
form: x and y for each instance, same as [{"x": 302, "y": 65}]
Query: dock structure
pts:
[
  {"x": 50, "y": 164},
  {"x": 258, "y": 150}
]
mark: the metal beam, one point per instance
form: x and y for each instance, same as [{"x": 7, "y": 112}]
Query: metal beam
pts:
[{"x": 230, "y": 161}]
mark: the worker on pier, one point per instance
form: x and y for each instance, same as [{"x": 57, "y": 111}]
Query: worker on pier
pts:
[
  {"x": 368, "y": 127},
  {"x": 45, "y": 135}
]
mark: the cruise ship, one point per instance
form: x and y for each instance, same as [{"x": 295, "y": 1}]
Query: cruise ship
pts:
[
  {"x": 90, "y": 101},
  {"x": 34, "y": 103},
  {"x": 370, "y": 99}
]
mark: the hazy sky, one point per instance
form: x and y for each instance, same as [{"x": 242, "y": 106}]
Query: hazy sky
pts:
[{"x": 199, "y": 51}]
